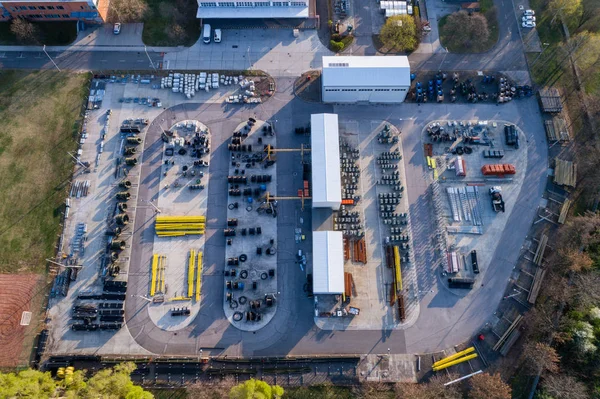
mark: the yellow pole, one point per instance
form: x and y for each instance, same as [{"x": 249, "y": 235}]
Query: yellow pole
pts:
[
  {"x": 455, "y": 356},
  {"x": 191, "y": 267},
  {"x": 153, "y": 281},
  {"x": 163, "y": 267},
  {"x": 199, "y": 276},
  {"x": 457, "y": 361},
  {"x": 398, "y": 279}
]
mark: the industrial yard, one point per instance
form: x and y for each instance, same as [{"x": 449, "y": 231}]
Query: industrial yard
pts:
[{"x": 201, "y": 228}]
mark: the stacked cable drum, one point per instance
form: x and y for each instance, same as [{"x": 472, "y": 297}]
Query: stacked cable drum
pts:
[{"x": 178, "y": 226}]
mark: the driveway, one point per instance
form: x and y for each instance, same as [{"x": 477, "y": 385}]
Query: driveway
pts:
[{"x": 131, "y": 35}]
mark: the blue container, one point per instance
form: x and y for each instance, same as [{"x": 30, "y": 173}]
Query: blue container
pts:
[
  {"x": 263, "y": 187},
  {"x": 249, "y": 200}
]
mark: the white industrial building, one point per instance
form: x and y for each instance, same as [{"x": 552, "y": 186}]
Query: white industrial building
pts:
[
  {"x": 328, "y": 262},
  {"x": 325, "y": 153},
  {"x": 365, "y": 79},
  {"x": 219, "y": 9}
]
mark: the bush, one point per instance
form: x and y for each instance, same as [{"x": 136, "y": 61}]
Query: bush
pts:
[
  {"x": 336, "y": 37},
  {"x": 336, "y": 46}
]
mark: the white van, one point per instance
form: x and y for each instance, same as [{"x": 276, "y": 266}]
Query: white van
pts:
[
  {"x": 206, "y": 34},
  {"x": 217, "y": 36}
]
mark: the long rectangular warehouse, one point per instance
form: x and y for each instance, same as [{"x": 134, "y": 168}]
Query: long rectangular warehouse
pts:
[
  {"x": 328, "y": 262},
  {"x": 365, "y": 79},
  {"x": 325, "y": 153}
]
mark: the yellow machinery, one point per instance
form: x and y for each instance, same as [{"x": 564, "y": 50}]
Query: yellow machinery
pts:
[
  {"x": 453, "y": 362},
  {"x": 199, "y": 276},
  {"x": 270, "y": 151},
  {"x": 397, "y": 269},
  {"x": 178, "y": 226},
  {"x": 191, "y": 269}
]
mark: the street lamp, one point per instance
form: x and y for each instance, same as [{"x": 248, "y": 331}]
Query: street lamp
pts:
[{"x": 44, "y": 48}]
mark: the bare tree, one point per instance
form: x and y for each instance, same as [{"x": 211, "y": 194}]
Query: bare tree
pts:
[
  {"x": 25, "y": 31},
  {"x": 464, "y": 30},
  {"x": 372, "y": 390},
  {"x": 562, "y": 386},
  {"x": 586, "y": 288},
  {"x": 486, "y": 386},
  {"x": 434, "y": 389},
  {"x": 127, "y": 10},
  {"x": 539, "y": 355},
  {"x": 218, "y": 389}
]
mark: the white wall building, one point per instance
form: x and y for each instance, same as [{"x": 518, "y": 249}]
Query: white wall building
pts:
[
  {"x": 350, "y": 79},
  {"x": 328, "y": 262},
  {"x": 215, "y": 9},
  {"x": 325, "y": 155}
]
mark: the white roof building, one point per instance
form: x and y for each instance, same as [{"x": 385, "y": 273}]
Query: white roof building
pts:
[
  {"x": 218, "y": 9},
  {"x": 328, "y": 262},
  {"x": 325, "y": 154},
  {"x": 349, "y": 79}
]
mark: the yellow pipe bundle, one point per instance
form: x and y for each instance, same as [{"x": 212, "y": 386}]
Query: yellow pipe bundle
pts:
[
  {"x": 398, "y": 269},
  {"x": 161, "y": 281},
  {"x": 179, "y": 233},
  {"x": 180, "y": 219},
  {"x": 154, "y": 269},
  {"x": 191, "y": 268},
  {"x": 199, "y": 276},
  {"x": 455, "y": 356},
  {"x": 457, "y": 361}
]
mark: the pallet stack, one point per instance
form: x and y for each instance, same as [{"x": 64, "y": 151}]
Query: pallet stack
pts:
[{"x": 359, "y": 253}]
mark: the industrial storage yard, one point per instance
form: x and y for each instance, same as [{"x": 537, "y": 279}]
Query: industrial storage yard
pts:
[{"x": 197, "y": 227}]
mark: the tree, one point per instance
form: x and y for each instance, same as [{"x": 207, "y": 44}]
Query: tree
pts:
[
  {"x": 127, "y": 10},
  {"x": 336, "y": 46},
  {"x": 542, "y": 356},
  {"x": 25, "y": 31},
  {"x": 218, "y": 389},
  {"x": 486, "y": 386},
  {"x": 400, "y": 33},
  {"x": 463, "y": 31},
  {"x": 568, "y": 8},
  {"x": 27, "y": 384},
  {"x": 255, "y": 389},
  {"x": 562, "y": 386},
  {"x": 110, "y": 383},
  {"x": 433, "y": 389}
]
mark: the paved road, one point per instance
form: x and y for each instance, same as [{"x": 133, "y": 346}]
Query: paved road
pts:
[{"x": 445, "y": 319}]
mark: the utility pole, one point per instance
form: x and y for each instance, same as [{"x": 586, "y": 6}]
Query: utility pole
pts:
[
  {"x": 149, "y": 59},
  {"x": 44, "y": 48}
]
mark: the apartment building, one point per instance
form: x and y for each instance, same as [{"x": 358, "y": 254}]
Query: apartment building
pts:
[{"x": 89, "y": 11}]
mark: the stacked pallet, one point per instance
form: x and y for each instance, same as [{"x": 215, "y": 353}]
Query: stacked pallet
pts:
[
  {"x": 178, "y": 226},
  {"x": 348, "y": 284},
  {"x": 550, "y": 100},
  {"x": 498, "y": 169},
  {"x": 556, "y": 129},
  {"x": 359, "y": 252},
  {"x": 564, "y": 211},
  {"x": 565, "y": 173},
  {"x": 389, "y": 256},
  {"x": 401, "y": 308}
]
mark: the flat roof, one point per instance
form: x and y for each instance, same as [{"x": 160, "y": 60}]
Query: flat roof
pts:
[
  {"x": 325, "y": 155},
  {"x": 251, "y": 12},
  {"x": 328, "y": 262},
  {"x": 366, "y": 71}
]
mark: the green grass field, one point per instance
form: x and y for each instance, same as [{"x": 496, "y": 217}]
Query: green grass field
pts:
[
  {"x": 160, "y": 22},
  {"x": 40, "y": 114}
]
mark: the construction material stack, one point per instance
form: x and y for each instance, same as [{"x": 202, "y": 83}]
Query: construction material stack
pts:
[{"x": 178, "y": 226}]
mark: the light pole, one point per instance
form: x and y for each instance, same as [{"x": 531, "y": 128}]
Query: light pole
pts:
[
  {"x": 249, "y": 61},
  {"x": 153, "y": 206},
  {"x": 149, "y": 59},
  {"x": 44, "y": 48}
]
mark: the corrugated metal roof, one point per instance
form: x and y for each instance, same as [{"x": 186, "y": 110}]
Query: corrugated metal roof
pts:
[
  {"x": 251, "y": 12},
  {"x": 328, "y": 262},
  {"x": 366, "y": 71},
  {"x": 325, "y": 154}
]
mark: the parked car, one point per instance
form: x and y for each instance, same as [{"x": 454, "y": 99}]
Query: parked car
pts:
[
  {"x": 529, "y": 12},
  {"x": 529, "y": 24},
  {"x": 117, "y": 28},
  {"x": 528, "y": 18}
]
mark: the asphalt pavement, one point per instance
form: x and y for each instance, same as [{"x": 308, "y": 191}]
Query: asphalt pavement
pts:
[{"x": 445, "y": 318}]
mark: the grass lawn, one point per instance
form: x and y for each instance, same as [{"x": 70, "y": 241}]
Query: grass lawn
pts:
[
  {"x": 158, "y": 25},
  {"x": 489, "y": 11},
  {"x": 40, "y": 113},
  {"x": 52, "y": 33}
]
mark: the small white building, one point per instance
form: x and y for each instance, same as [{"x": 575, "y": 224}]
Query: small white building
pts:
[
  {"x": 219, "y": 9},
  {"x": 328, "y": 262},
  {"x": 350, "y": 79},
  {"x": 325, "y": 154}
]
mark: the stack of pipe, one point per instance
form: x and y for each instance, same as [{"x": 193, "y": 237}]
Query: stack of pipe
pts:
[{"x": 178, "y": 226}]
